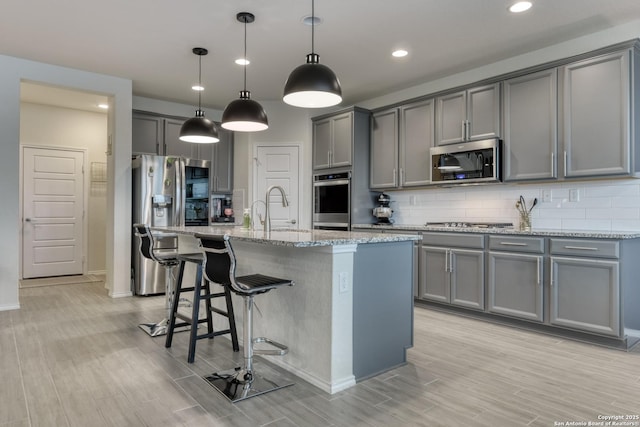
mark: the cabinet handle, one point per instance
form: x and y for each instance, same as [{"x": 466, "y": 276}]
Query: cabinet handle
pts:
[
  {"x": 329, "y": 157},
  {"x": 468, "y": 129},
  {"x": 581, "y": 248},
  {"x": 538, "y": 270},
  {"x": 446, "y": 260},
  {"x": 464, "y": 130},
  {"x": 553, "y": 165},
  {"x": 401, "y": 177},
  {"x": 565, "y": 163},
  {"x": 450, "y": 261},
  {"x": 513, "y": 244},
  {"x": 551, "y": 274},
  {"x": 395, "y": 177}
]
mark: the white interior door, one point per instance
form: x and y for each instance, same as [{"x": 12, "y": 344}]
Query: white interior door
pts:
[
  {"x": 53, "y": 207},
  {"x": 278, "y": 165}
]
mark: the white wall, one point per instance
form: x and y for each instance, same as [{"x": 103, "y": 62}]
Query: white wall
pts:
[
  {"x": 47, "y": 126},
  {"x": 606, "y": 205},
  {"x": 118, "y": 211}
]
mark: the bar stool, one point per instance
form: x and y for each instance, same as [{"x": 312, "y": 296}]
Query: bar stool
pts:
[
  {"x": 167, "y": 259},
  {"x": 220, "y": 267},
  {"x": 198, "y": 296}
]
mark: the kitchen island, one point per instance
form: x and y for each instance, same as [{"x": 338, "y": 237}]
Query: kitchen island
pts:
[{"x": 350, "y": 314}]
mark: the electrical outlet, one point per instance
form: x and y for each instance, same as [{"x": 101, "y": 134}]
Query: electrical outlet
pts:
[
  {"x": 343, "y": 281},
  {"x": 574, "y": 195},
  {"x": 547, "y": 196}
]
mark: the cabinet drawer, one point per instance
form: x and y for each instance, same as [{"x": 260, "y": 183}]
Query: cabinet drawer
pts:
[
  {"x": 517, "y": 244},
  {"x": 585, "y": 248},
  {"x": 458, "y": 240}
]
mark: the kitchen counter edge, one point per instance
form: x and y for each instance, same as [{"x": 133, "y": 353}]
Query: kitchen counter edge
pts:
[
  {"x": 295, "y": 238},
  {"x": 617, "y": 235}
]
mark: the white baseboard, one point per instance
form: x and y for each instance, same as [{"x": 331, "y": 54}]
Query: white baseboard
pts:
[{"x": 9, "y": 307}]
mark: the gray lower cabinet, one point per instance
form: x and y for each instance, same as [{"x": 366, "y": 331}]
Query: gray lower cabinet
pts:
[
  {"x": 453, "y": 275},
  {"x": 585, "y": 286},
  {"x": 515, "y": 280},
  {"x": 531, "y": 126}
]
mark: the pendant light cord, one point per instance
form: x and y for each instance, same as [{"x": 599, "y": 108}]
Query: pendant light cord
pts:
[
  {"x": 245, "y": 54},
  {"x": 313, "y": 26},
  {"x": 199, "y": 81}
]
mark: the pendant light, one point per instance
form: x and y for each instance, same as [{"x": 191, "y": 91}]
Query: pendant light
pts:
[
  {"x": 199, "y": 129},
  {"x": 245, "y": 114},
  {"x": 312, "y": 85}
]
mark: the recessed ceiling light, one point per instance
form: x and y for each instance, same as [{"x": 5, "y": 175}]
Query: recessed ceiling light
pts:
[
  {"x": 242, "y": 61},
  {"x": 520, "y": 6},
  {"x": 103, "y": 106},
  {"x": 399, "y": 53},
  {"x": 197, "y": 88}
]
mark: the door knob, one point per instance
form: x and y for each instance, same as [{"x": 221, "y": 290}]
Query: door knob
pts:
[
  {"x": 293, "y": 221},
  {"x": 27, "y": 219}
]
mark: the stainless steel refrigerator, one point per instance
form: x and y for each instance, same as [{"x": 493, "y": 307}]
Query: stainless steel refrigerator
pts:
[{"x": 166, "y": 191}]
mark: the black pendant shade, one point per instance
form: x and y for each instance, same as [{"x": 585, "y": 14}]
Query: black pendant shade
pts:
[
  {"x": 245, "y": 114},
  {"x": 198, "y": 129},
  {"x": 312, "y": 85}
]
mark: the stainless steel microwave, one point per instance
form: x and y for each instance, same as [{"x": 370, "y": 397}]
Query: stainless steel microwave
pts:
[{"x": 468, "y": 162}]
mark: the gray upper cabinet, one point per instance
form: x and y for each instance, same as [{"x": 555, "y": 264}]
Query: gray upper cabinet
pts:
[
  {"x": 530, "y": 126},
  {"x": 172, "y": 144},
  {"x": 333, "y": 141},
  {"x": 468, "y": 115},
  {"x": 222, "y": 162},
  {"x": 400, "y": 142},
  {"x": 416, "y": 138},
  {"x": 596, "y": 112},
  {"x": 384, "y": 149},
  {"x": 147, "y": 134}
]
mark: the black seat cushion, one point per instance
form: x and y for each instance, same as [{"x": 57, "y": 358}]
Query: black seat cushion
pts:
[{"x": 259, "y": 283}]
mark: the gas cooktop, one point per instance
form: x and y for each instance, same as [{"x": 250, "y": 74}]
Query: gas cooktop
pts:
[{"x": 471, "y": 224}]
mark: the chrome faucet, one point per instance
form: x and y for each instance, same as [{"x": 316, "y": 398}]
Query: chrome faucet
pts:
[
  {"x": 267, "y": 216},
  {"x": 261, "y": 221}
]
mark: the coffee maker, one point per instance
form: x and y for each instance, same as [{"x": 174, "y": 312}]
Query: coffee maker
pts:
[
  {"x": 222, "y": 208},
  {"x": 383, "y": 212}
]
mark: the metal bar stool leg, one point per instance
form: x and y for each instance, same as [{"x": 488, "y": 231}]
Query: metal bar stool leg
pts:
[{"x": 160, "y": 328}]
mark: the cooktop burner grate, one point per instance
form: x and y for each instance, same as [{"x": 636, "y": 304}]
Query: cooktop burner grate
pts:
[{"x": 470, "y": 224}]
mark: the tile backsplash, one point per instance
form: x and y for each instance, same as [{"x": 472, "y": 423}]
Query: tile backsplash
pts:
[{"x": 612, "y": 205}]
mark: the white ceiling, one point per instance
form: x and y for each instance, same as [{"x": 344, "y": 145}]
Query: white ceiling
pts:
[{"x": 150, "y": 41}]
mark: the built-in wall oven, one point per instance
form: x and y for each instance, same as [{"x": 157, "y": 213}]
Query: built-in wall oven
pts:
[{"x": 332, "y": 201}]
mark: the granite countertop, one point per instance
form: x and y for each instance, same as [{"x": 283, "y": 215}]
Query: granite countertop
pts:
[
  {"x": 296, "y": 238},
  {"x": 593, "y": 234}
]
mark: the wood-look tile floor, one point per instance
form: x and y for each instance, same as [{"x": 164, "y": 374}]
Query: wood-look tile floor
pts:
[{"x": 72, "y": 356}]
